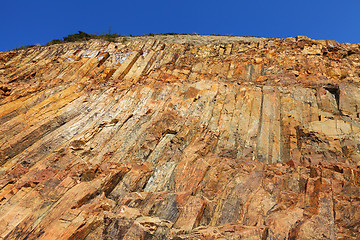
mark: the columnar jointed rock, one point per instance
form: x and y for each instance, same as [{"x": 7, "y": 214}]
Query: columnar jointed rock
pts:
[{"x": 255, "y": 139}]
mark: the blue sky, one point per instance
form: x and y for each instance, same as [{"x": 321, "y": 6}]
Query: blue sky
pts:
[{"x": 40, "y": 21}]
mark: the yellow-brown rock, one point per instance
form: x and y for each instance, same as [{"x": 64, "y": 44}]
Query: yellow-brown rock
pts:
[{"x": 185, "y": 137}]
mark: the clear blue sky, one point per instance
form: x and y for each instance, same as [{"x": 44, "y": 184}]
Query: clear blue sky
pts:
[{"x": 39, "y": 21}]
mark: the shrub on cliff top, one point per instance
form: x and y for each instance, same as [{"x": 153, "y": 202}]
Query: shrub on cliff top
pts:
[
  {"x": 80, "y": 36},
  {"x": 55, "y": 41},
  {"x": 83, "y": 36},
  {"x": 24, "y": 47}
]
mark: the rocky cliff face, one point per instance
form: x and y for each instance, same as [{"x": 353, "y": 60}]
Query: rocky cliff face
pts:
[{"x": 153, "y": 139}]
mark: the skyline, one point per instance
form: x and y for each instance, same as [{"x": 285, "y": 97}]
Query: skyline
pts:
[{"x": 28, "y": 23}]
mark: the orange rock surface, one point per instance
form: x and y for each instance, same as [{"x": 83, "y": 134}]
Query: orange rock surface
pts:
[{"x": 151, "y": 139}]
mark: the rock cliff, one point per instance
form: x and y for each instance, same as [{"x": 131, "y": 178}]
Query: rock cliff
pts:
[{"x": 188, "y": 137}]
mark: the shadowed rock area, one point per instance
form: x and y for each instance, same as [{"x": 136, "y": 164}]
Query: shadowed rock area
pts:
[{"x": 181, "y": 137}]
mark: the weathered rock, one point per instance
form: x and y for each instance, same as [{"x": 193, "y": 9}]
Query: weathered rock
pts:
[{"x": 248, "y": 138}]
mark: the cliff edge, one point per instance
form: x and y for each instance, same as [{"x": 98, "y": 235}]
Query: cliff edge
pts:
[{"x": 181, "y": 137}]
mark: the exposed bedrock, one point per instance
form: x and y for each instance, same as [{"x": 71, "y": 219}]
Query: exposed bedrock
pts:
[{"x": 145, "y": 139}]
